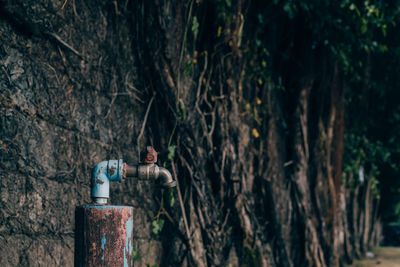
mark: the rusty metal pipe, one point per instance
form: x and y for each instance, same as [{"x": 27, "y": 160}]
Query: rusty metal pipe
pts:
[
  {"x": 103, "y": 235},
  {"x": 130, "y": 171}
]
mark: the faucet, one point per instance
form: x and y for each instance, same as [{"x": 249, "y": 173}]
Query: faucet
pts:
[{"x": 117, "y": 170}]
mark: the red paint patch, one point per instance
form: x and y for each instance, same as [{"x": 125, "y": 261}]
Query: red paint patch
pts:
[{"x": 111, "y": 170}]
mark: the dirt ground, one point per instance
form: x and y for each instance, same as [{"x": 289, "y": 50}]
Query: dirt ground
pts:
[{"x": 384, "y": 257}]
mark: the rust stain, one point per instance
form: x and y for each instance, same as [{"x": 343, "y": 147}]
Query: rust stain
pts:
[
  {"x": 95, "y": 227},
  {"x": 111, "y": 170},
  {"x": 149, "y": 158},
  {"x": 99, "y": 181},
  {"x": 124, "y": 166},
  {"x": 149, "y": 155}
]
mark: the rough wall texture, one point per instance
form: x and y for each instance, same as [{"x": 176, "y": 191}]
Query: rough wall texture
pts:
[{"x": 60, "y": 114}]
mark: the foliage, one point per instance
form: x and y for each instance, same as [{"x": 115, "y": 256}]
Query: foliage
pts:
[
  {"x": 135, "y": 255},
  {"x": 362, "y": 159},
  {"x": 157, "y": 226},
  {"x": 361, "y": 36},
  {"x": 348, "y": 28},
  {"x": 369, "y": 54}
]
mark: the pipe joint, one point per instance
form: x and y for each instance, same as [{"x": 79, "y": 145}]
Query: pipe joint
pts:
[{"x": 103, "y": 173}]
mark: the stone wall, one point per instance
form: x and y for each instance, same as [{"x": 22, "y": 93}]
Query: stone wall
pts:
[{"x": 69, "y": 99}]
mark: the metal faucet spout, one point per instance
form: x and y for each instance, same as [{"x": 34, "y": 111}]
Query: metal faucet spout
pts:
[{"x": 165, "y": 177}]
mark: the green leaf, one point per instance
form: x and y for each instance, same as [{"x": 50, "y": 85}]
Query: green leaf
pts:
[
  {"x": 157, "y": 226},
  {"x": 353, "y": 7},
  {"x": 364, "y": 28},
  {"x": 264, "y": 63},
  {"x": 260, "y": 18},
  {"x": 171, "y": 198},
  {"x": 171, "y": 152},
  {"x": 135, "y": 255},
  {"x": 384, "y": 32},
  {"x": 288, "y": 8},
  {"x": 195, "y": 27},
  {"x": 183, "y": 109},
  {"x": 189, "y": 67}
]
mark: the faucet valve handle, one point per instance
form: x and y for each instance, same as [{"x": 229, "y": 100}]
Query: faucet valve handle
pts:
[{"x": 148, "y": 156}]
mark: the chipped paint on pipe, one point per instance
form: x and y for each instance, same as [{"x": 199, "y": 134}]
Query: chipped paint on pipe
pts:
[
  {"x": 103, "y": 235},
  {"x": 103, "y": 242},
  {"x": 128, "y": 244},
  {"x": 103, "y": 173}
]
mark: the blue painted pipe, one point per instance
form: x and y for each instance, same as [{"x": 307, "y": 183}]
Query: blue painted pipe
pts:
[{"x": 103, "y": 173}]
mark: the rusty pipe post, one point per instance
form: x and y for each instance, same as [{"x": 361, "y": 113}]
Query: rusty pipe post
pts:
[
  {"x": 103, "y": 236},
  {"x": 103, "y": 233}
]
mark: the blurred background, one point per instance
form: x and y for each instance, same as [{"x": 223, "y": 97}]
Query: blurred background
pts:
[{"x": 280, "y": 120}]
